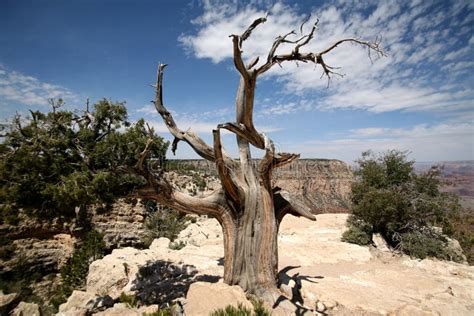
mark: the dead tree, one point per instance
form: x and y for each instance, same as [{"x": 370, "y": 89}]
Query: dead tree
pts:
[{"x": 248, "y": 208}]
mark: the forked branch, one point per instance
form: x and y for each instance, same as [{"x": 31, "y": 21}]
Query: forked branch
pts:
[
  {"x": 313, "y": 57},
  {"x": 159, "y": 189}
]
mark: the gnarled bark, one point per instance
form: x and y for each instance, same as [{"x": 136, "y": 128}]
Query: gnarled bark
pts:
[{"x": 247, "y": 207}]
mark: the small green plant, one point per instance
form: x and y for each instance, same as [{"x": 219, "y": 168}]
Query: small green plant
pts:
[
  {"x": 74, "y": 273},
  {"x": 231, "y": 310},
  {"x": 198, "y": 179},
  {"x": 168, "y": 311},
  {"x": 177, "y": 245},
  {"x": 259, "y": 308},
  {"x": 130, "y": 300}
]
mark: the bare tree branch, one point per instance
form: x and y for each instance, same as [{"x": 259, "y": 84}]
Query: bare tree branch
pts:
[
  {"x": 223, "y": 169},
  {"x": 241, "y": 130},
  {"x": 199, "y": 146},
  {"x": 238, "y": 62},
  {"x": 308, "y": 37},
  {"x": 317, "y": 57},
  {"x": 252, "y": 26},
  {"x": 278, "y": 41},
  {"x": 286, "y": 203},
  {"x": 211, "y": 205}
]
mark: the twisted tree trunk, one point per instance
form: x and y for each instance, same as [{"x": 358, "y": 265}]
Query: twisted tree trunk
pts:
[{"x": 247, "y": 207}]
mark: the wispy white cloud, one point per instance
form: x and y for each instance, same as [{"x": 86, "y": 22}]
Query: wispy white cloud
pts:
[
  {"x": 408, "y": 79},
  {"x": 463, "y": 52},
  {"x": 18, "y": 88},
  {"x": 440, "y": 142}
]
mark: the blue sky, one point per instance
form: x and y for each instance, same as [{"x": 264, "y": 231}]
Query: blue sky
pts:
[{"x": 420, "y": 98}]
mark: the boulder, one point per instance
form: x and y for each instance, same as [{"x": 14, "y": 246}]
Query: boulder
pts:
[
  {"x": 203, "y": 298},
  {"x": 457, "y": 250},
  {"x": 149, "y": 274},
  {"x": 37, "y": 254},
  {"x": 26, "y": 309},
  {"x": 110, "y": 275},
  {"x": 150, "y": 309},
  {"x": 159, "y": 243},
  {"x": 84, "y": 303}
]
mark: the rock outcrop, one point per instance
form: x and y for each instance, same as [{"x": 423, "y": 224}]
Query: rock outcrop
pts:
[
  {"x": 160, "y": 274},
  {"x": 37, "y": 245},
  {"x": 84, "y": 303},
  {"x": 121, "y": 226}
]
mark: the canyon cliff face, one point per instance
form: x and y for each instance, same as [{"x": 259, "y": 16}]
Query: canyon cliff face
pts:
[{"x": 325, "y": 184}]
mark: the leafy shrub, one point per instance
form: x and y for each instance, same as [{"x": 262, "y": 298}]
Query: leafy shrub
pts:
[
  {"x": 391, "y": 199},
  {"x": 163, "y": 222},
  {"x": 358, "y": 232},
  {"x": 423, "y": 244}
]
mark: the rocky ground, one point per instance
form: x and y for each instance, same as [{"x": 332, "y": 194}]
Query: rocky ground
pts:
[{"x": 321, "y": 275}]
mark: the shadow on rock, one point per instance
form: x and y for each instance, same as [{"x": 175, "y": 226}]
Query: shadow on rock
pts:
[
  {"x": 291, "y": 286},
  {"x": 162, "y": 282}
]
